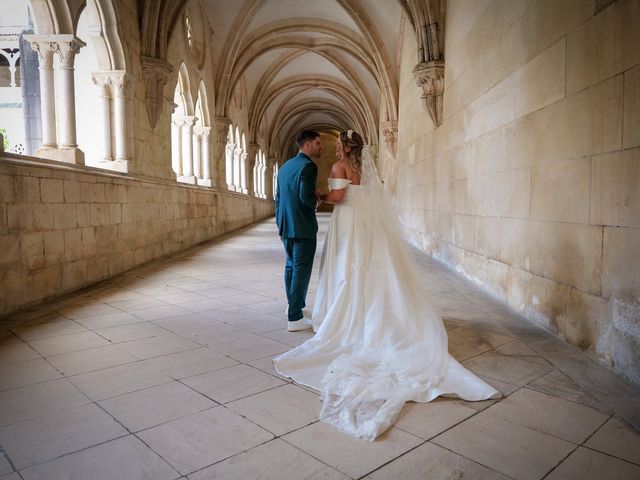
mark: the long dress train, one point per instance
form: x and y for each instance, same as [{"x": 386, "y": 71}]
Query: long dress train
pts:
[{"x": 379, "y": 342}]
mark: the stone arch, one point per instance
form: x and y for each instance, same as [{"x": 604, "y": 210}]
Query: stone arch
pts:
[
  {"x": 183, "y": 91},
  {"x": 202, "y": 107},
  {"x": 372, "y": 44},
  {"x": 105, "y": 37},
  {"x": 52, "y": 17},
  {"x": 344, "y": 92}
]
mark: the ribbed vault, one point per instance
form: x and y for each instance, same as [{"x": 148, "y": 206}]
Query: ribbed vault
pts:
[{"x": 324, "y": 65}]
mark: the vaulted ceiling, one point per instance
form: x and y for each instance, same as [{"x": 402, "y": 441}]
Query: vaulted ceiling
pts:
[{"x": 321, "y": 64}]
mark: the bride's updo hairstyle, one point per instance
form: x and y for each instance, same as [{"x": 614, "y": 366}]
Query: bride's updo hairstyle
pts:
[{"x": 354, "y": 140}]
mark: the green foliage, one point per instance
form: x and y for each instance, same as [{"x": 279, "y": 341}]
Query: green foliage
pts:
[{"x": 3, "y": 131}]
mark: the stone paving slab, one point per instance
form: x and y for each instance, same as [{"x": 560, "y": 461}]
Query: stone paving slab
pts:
[{"x": 166, "y": 372}]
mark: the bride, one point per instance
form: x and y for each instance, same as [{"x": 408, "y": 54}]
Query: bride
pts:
[{"x": 378, "y": 341}]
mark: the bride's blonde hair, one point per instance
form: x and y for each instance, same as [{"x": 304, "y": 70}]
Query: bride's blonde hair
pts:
[{"x": 354, "y": 141}]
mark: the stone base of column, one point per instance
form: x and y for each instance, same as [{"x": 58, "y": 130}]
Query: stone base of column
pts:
[
  {"x": 67, "y": 155},
  {"x": 115, "y": 165},
  {"x": 205, "y": 182},
  {"x": 190, "y": 179}
]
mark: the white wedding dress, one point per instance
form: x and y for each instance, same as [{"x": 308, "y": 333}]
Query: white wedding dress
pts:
[{"x": 378, "y": 343}]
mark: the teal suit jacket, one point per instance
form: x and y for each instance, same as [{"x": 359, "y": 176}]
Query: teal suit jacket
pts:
[{"x": 296, "y": 198}]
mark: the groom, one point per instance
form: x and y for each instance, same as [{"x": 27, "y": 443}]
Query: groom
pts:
[{"x": 297, "y": 224}]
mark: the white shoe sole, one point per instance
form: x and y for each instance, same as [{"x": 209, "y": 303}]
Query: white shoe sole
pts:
[{"x": 302, "y": 324}]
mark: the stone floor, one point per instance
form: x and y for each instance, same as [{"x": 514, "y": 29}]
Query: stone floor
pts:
[{"x": 165, "y": 372}]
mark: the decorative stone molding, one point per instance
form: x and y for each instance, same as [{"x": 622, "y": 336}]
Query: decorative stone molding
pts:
[
  {"x": 66, "y": 46},
  {"x": 428, "y": 20},
  {"x": 390, "y": 132},
  {"x": 155, "y": 73},
  {"x": 430, "y": 76}
]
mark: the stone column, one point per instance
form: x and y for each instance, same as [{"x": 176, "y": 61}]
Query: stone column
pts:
[
  {"x": 197, "y": 153},
  {"x": 66, "y": 47},
  {"x": 237, "y": 152},
  {"x": 114, "y": 84},
  {"x": 42, "y": 45},
  {"x": 244, "y": 168},
  {"x": 270, "y": 188},
  {"x": 105, "y": 116},
  {"x": 228, "y": 161},
  {"x": 205, "y": 139},
  {"x": 187, "y": 150},
  {"x": 263, "y": 173},
  {"x": 176, "y": 146},
  {"x": 251, "y": 162},
  {"x": 120, "y": 81},
  {"x": 221, "y": 131}
]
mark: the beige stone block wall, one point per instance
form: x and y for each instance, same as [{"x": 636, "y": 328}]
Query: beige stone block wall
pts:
[
  {"x": 530, "y": 186},
  {"x": 66, "y": 227}
]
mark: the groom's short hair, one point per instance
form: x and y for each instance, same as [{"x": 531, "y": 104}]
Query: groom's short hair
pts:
[{"x": 306, "y": 136}]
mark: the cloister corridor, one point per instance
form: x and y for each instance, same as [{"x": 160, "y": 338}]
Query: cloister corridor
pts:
[{"x": 165, "y": 372}]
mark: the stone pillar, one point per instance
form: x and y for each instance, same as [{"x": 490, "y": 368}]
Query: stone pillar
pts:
[
  {"x": 197, "y": 153},
  {"x": 105, "y": 117},
  {"x": 221, "y": 131},
  {"x": 228, "y": 160},
  {"x": 66, "y": 48},
  {"x": 187, "y": 150},
  {"x": 263, "y": 176},
  {"x": 205, "y": 138},
  {"x": 114, "y": 84},
  {"x": 251, "y": 173},
  {"x": 120, "y": 82},
  {"x": 272, "y": 169},
  {"x": 42, "y": 45},
  {"x": 237, "y": 152},
  {"x": 176, "y": 146}
]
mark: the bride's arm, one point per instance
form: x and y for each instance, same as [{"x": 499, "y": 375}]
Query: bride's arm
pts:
[{"x": 335, "y": 195}]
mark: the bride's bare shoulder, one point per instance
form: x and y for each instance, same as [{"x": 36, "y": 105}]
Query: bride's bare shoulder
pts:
[{"x": 338, "y": 170}]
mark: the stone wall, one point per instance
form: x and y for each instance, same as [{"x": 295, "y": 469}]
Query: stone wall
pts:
[
  {"x": 530, "y": 187},
  {"x": 63, "y": 227}
]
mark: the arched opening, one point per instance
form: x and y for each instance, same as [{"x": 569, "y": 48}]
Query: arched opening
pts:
[
  {"x": 182, "y": 123},
  {"x": 229, "y": 153},
  {"x": 12, "y": 126},
  {"x": 92, "y": 105},
  {"x": 202, "y": 139}
]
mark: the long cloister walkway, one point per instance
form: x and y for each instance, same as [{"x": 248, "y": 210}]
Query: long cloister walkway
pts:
[{"x": 166, "y": 373}]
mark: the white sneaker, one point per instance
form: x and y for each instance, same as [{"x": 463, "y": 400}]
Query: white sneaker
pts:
[{"x": 302, "y": 324}]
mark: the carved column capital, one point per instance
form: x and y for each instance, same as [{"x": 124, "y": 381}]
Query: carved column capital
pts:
[
  {"x": 430, "y": 76},
  {"x": 390, "y": 132},
  {"x": 155, "y": 72},
  {"x": 66, "y": 46},
  {"x": 201, "y": 131},
  {"x": 117, "y": 78},
  {"x": 42, "y": 44}
]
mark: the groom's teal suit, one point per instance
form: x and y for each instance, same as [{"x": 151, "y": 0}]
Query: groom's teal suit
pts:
[{"x": 297, "y": 226}]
